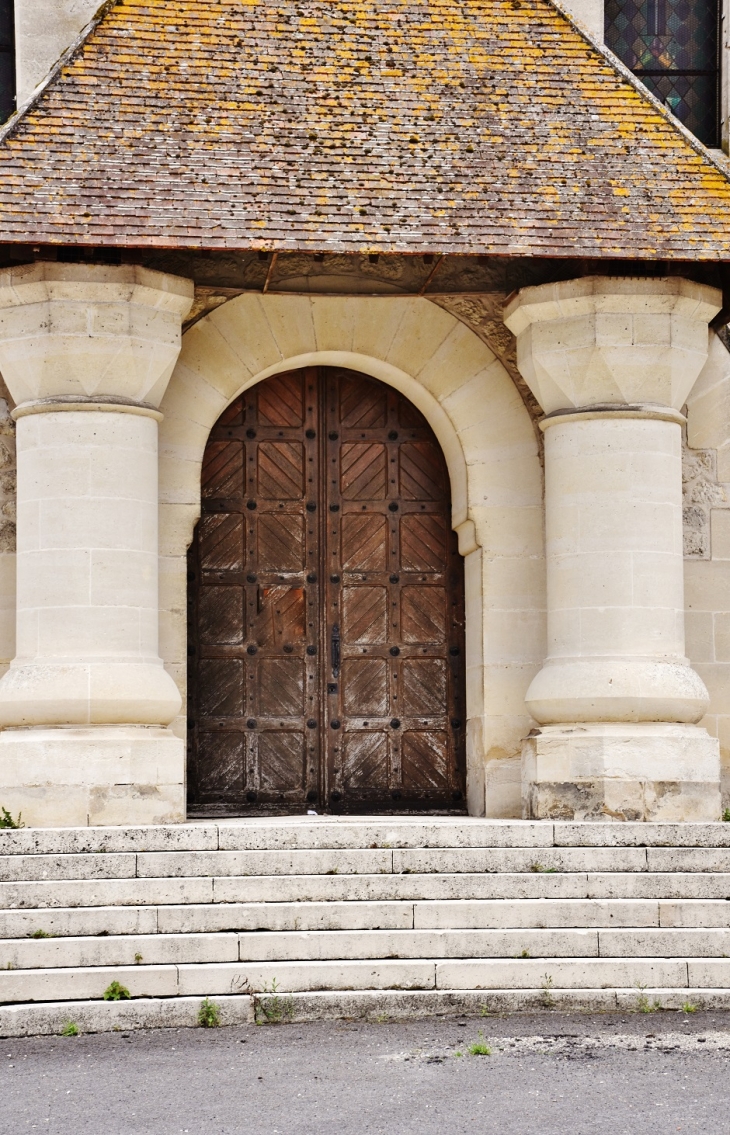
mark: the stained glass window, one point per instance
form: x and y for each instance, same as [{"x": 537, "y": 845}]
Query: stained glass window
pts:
[
  {"x": 7, "y": 60},
  {"x": 673, "y": 46}
]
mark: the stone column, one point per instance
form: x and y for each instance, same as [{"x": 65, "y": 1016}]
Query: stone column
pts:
[
  {"x": 87, "y": 352},
  {"x": 611, "y": 362}
]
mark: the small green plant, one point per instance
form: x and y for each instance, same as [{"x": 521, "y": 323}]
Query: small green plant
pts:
[
  {"x": 541, "y": 869},
  {"x": 484, "y": 1011},
  {"x": 7, "y": 821},
  {"x": 689, "y": 1007},
  {"x": 271, "y": 1008},
  {"x": 726, "y": 815},
  {"x": 70, "y": 1029},
  {"x": 548, "y": 1001},
  {"x": 117, "y": 992},
  {"x": 333, "y": 871},
  {"x": 458, "y": 1053},
  {"x": 643, "y": 1004},
  {"x": 40, "y": 934},
  {"x": 209, "y": 1015},
  {"x": 524, "y": 954},
  {"x": 479, "y": 1047},
  {"x": 137, "y": 959}
]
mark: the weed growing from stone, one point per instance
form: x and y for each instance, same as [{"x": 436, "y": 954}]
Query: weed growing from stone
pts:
[
  {"x": 117, "y": 992},
  {"x": 209, "y": 1015},
  {"x": 524, "y": 954},
  {"x": 689, "y": 1007},
  {"x": 7, "y": 821},
  {"x": 541, "y": 869},
  {"x": 70, "y": 1029},
  {"x": 644, "y": 1005},
  {"x": 137, "y": 959},
  {"x": 548, "y": 1001},
  {"x": 726, "y": 815},
  {"x": 272, "y": 1009},
  {"x": 40, "y": 934},
  {"x": 479, "y": 1048}
]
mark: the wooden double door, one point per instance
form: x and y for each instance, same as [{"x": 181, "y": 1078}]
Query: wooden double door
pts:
[{"x": 326, "y": 609}]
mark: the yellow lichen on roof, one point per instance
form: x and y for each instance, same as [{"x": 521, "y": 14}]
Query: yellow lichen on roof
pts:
[{"x": 487, "y": 126}]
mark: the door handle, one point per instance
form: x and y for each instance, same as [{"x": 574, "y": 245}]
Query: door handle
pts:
[{"x": 335, "y": 650}]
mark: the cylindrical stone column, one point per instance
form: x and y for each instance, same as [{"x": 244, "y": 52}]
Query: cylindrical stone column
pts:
[
  {"x": 612, "y": 362},
  {"x": 86, "y": 352}
]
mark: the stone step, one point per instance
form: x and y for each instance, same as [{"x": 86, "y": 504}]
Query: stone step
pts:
[
  {"x": 373, "y": 888},
  {"x": 283, "y": 977},
  {"x": 49, "y": 1019},
  {"x": 358, "y": 832},
  {"x": 362, "y": 861},
  {"x": 336, "y": 945},
  {"x": 211, "y": 918}
]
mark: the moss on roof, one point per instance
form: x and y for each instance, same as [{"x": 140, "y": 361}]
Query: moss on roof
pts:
[{"x": 489, "y": 126}]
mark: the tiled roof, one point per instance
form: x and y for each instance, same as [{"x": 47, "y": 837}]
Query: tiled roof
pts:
[{"x": 490, "y": 126}]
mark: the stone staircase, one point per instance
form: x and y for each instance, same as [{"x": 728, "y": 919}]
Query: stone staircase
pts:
[{"x": 306, "y": 917}]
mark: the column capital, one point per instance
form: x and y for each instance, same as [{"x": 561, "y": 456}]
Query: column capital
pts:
[
  {"x": 612, "y": 340},
  {"x": 90, "y": 330}
]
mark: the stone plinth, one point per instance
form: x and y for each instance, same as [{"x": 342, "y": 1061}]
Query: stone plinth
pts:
[{"x": 612, "y": 362}]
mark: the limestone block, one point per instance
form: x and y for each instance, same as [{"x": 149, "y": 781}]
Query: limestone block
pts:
[
  {"x": 644, "y": 771},
  {"x": 571, "y": 355},
  {"x": 74, "y": 923},
  {"x": 89, "y": 330},
  {"x": 102, "y": 893},
  {"x": 102, "y": 775}
]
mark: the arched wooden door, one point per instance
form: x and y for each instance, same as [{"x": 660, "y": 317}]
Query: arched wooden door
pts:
[{"x": 326, "y": 608}]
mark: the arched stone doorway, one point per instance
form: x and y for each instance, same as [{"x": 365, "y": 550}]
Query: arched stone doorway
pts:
[{"x": 326, "y": 606}]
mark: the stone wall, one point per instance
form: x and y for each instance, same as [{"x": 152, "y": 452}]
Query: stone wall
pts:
[
  {"x": 43, "y": 31},
  {"x": 706, "y": 475}
]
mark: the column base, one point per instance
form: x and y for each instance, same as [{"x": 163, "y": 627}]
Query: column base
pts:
[
  {"x": 645, "y": 771},
  {"x": 93, "y": 775}
]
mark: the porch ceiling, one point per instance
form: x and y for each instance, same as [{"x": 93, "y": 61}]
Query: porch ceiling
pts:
[{"x": 485, "y": 126}]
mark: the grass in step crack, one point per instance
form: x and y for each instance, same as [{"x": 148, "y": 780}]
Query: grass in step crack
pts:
[
  {"x": 70, "y": 1029},
  {"x": 117, "y": 992},
  {"x": 40, "y": 934},
  {"x": 270, "y": 1007},
  {"x": 209, "y": 1016},
  {"x": 644, "y": 1005}
]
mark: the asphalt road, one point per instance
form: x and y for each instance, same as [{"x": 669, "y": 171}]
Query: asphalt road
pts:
[{"x": 548, "y": 1074}]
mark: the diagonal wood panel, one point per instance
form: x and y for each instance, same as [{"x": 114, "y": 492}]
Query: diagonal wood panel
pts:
[
  {"x": 221, "y": 542},
  {"x": 421, "y": 471},
  {"x": 362, "y": 405},
  {"x": 364, "y": 542},
  {"x": 424, "y": 686},
  {"x": 280, "y": 470},
  {"x": 423, "y": 614},
  {"x": 363, "y": 471},
  {"x": 280, "y": 542},
  {"x": 365, "y": 764},
  {"x": 281, "y": 687},
  {"x": 280, "y": 400},
  {"x": 425, "y": 761},
  {"x": 365, "y": 614},
  {"x": 365, "y": 685},
  {"x": 280, "y": 615},
  {"x": 222, "y": 474},
  {"x": 282, "y": 762},
  {"x": 221, "y": 687},
  {"x": 424, "y": 539}
]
